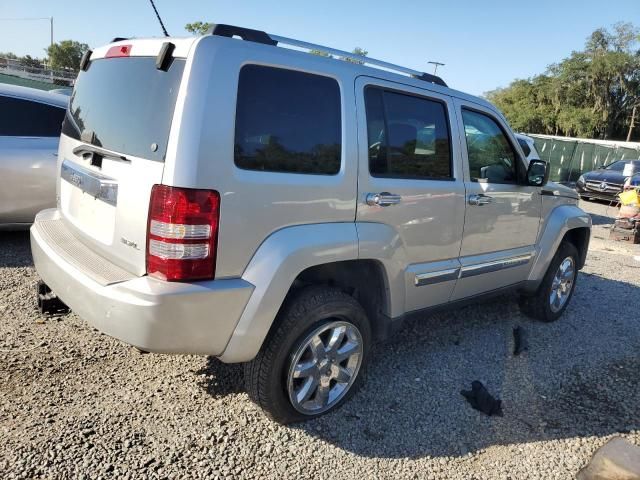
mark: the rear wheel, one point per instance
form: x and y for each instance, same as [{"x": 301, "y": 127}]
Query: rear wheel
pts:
[
  {"x": 555, "y": 291},
  {"x": 314, "y": 358}
]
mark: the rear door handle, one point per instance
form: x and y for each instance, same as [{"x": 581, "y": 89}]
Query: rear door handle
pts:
[
  {"x": 480, "y": 199},
  {"x": 383, "y": 199}
]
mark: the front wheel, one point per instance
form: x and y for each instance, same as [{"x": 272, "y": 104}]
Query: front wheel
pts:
[
  {"x": 555, "y": 291},
  {"x": 314, "y": 358}
]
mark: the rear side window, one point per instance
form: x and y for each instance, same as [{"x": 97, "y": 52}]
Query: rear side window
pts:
[
  {"x": 408, "y": 136},
  {"x": 125, "y": 105},
  {"x": 287, "y": 121},
  {"x": 25, "y": 118}
]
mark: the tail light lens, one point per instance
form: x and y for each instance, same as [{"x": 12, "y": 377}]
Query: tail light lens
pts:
[{"x": 182, "y": 233}]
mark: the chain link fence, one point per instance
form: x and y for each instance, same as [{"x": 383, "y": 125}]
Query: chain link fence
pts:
[{"x": 15, "y": 68}]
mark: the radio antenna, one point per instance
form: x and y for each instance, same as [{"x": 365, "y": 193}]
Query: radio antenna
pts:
[{"x": 164, "y": 30}]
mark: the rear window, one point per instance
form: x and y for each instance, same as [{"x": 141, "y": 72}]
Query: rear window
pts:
[
  {"x": 25, "y": 118},
  {"x": 125, "y": 105},
  {"x": 287, "y": 121}
]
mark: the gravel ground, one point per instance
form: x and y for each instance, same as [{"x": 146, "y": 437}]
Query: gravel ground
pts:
[{"x": 77, "y": 404}]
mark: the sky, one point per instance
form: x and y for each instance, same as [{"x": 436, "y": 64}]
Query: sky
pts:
[{"x": 485, "y": 44}]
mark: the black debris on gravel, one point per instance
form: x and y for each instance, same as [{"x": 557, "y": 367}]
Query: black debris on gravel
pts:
[
  {"x": 519, "y": 341},
  {"x": 480, "y": 399}
]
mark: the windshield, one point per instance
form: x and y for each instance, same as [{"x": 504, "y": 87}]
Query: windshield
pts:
[
  {"x": 125, "y": 105},
  {"x": 616, "y": 166}
]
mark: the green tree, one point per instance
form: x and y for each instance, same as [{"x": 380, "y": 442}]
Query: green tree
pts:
[
  {"x": 66, "y": 54},
  {"x": 591, "y": 93},
  {"x": 29, "y": 61},
  {"x": 356, "y": 51},
  {"x": 9, "y": 55},
  {"x": 320, "y": 53},
  {"x": 198, "y": 28}
]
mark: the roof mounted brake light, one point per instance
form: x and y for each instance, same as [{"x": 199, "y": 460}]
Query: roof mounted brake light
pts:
[{"x": 118, "y": 51}]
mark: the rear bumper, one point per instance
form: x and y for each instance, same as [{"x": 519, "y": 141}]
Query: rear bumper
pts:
[{"x": 153, "y": 315}]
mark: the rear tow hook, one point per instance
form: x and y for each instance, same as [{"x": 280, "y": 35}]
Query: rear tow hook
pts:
[{"x": 48, "y": 302}]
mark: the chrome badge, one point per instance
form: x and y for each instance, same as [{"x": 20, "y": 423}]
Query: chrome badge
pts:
[{"x": 129, "y": 243}]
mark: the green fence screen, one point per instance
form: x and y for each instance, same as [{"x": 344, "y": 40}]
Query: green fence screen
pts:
[{"x": 570, "y": 157}]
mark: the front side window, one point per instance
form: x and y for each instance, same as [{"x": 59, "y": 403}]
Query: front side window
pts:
[
  {"x": 287, "y": 121},
  {"x": 491, "y": 157},
  {"x": 26, "y": 118},
  {"x": 408, "y": 136}
]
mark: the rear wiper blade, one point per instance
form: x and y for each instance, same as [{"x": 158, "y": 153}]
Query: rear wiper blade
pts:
[{"x": 103, "y": 152}]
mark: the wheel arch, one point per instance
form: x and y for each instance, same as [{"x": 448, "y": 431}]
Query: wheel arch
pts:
[
  {"x": 565, "y": 222},
  {"x": 295, "y": 256}
]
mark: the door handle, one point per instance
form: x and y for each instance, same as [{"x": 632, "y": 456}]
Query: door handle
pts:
[
  {"x": 480, "y": 199},
  {"x": 383, "y": 199}
]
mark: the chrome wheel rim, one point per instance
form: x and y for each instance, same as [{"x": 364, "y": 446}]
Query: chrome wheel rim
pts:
[
  {"x": 562, "y": 284},
  {"x": 324, "y": 367}
]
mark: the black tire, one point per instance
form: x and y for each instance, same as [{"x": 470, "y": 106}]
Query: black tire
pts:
[
  {"x": 303, "y": 313},
  {"x": 538, "y": 305}
]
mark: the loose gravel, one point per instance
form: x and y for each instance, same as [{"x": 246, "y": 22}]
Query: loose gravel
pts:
[{"x": 78, "y": 404}]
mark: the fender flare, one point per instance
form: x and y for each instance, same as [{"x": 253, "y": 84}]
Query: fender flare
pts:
[
  {"x": 274, "y": 267},
  {"x": 561, "y": 219}
]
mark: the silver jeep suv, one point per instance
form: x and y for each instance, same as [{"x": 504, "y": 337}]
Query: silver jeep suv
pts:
[{"x": 237, "y": 198}]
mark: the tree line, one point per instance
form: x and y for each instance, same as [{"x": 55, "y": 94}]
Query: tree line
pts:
[
  {"x": 64, "y": 55},
  {"x": 593, "y": 93}
]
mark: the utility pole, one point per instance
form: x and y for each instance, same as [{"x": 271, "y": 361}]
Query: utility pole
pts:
[
  {"x": 632, "y": 124},
  {"x": 435, "y": 66},
  {"x": 51, "y": 19}
]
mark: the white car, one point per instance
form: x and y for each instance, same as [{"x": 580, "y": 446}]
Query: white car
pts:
[
  {"x": 528, "y": 146},
  {"x": 30, "y": 124}
]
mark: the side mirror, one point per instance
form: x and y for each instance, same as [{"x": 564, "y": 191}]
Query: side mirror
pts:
[
  {"x": 537, "y": 173},
  {"x": 601, "y": 167}
]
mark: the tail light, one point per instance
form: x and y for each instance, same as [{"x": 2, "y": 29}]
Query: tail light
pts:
[{"x": 182, "y": 233}]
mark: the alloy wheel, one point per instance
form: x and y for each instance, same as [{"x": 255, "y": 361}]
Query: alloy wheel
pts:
[
  {"x": 562, "y": 284},
  {"x": 324, "y": 367}
]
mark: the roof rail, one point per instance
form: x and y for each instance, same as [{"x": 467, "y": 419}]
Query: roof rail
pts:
[
  {"x": 259, "y": 36},
  {"x": 246, "y": 34}
]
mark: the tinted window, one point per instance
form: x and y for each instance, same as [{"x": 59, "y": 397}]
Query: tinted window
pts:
[
  {"x": 287, "y": 121},
  {"x": 24, "y": 118},
  {"x": 408, "y": 136},
  {"x": 127, "y": 103},
  {"x": 491, "y": 157},
  {"x": 525, "y": 147}
]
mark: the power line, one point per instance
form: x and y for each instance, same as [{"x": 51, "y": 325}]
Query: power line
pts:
[{"x": 159, "y": 19}]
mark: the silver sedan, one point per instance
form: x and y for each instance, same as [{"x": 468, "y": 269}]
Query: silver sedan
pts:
[{"x": 30, "y": 123}]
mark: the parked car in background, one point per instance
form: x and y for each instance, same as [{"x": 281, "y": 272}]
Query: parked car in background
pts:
[
  {"x": 30, "y": 124},
  {"x": 528, "y": 146},
  {"x": 263, "y": 205},
  {"x": 606, "y": 182}
]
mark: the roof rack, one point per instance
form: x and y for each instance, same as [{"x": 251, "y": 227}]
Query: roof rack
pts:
[{"x": 259, "y": 36}]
